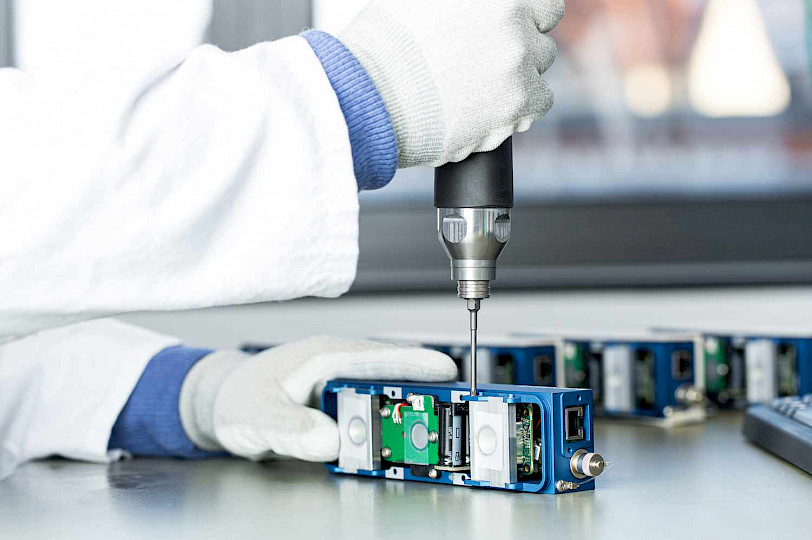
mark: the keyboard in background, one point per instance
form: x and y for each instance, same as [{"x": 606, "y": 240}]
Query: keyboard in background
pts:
[{"x": 783, "y": 427}]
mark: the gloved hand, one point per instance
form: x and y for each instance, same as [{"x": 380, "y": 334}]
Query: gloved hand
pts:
[
  {"x": 257, "y": 406},
  {"x": 456, "y": 76}
]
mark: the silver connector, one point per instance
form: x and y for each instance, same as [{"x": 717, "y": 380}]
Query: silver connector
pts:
[
  {"x": 583, "y": 464},
  {"x": 689, "y": 396}
]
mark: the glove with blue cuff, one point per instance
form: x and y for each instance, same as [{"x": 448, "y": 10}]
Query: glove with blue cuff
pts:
[
  {"x": 456, "y": 76},
  {"x": 261, "y": 406}
]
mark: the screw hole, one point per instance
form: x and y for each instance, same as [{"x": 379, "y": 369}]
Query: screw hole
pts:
[{"x": 580, "y": 398}]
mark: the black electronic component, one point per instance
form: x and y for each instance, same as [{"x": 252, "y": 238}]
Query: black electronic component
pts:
[
  {"x": 421, "y": 470},
  {"x": 446, "y": 436},
  {"x": 459, "y": 439},
  {"x": 682, "y": 365},
  {"x": 544, "y": 370},
  {"x": 453, "y": 427}
]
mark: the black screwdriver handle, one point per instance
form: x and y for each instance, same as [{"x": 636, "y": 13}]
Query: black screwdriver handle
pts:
[{"x": 482, "y": 180}]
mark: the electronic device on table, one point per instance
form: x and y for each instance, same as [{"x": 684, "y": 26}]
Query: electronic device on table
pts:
[
  {"x": 754, "y": 366},
  {"x": 652, "y": 377},
  {"x": 517, "y": 438}
]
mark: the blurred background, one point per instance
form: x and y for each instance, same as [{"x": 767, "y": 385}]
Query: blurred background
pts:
[{"x": 679, "y": 151}]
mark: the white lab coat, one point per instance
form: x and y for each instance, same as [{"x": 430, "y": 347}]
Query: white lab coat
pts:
[{"x": 187, "y": 179}]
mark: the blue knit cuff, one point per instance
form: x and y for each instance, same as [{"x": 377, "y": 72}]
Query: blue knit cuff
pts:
[
  {"x": 372, "y": 137},
  {"x": 149, "y": 424}
]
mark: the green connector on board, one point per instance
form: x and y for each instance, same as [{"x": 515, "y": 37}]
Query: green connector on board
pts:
[
  {"x": 407, "y": 433},
  {"x": 717, "y": 366},
  {"x": 576, "y": 370}
]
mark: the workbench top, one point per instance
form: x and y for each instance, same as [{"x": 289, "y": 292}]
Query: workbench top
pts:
[
  {"x": 701, "y": 481},
  {"x": 698, "y": 481}
]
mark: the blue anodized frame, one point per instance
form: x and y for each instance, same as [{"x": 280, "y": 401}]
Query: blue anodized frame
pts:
[{"x": 552, "y": 402}]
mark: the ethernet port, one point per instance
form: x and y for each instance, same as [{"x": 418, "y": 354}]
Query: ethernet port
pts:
[
  {"x": 681, "y": 365},
  {"x": 544, "y": 370},
  {"x": 504, "y": 369},
  {"x": 574, "y": 424}
]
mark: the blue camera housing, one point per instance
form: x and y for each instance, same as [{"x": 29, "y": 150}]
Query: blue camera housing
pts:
[{"x": 557, "y": 442}]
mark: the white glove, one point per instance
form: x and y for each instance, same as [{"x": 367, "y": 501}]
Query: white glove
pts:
[
  {"x": 456, "y": 76},
  {"x": 256, "y": 406}
]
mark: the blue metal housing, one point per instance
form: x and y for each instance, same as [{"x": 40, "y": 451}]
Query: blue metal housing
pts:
[
  {"x": 728, "y": 350},
  {"x": 803, "y": 360},
  {"x": 666, "y": 380},
  {"x": 552, "y": 402},
  {"x": 526, "y": 368}
]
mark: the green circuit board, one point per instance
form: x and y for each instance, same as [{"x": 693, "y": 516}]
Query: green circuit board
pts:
[
  {"x": 524, "y": 439},
  {"x": 717, "y": 368},
  {"x": 407, "y": 433},
  {"x": 576, "y": 370}
]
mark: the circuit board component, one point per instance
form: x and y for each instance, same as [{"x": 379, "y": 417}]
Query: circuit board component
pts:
[
  {"x": 576, "y": 368},
  {"x": 644, "y": 378},
  {"x": 454, "y": 443},
  {"x": 526, "y": 457},
  {"x": 787, "y": 358},
  {"x": 515, "y": 438},
  {"x": 410, "y": 431}
]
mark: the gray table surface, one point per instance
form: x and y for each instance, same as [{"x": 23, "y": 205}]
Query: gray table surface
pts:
[
  {"x": 695, "y": 481},
  {"x": 701, "y": 481}
]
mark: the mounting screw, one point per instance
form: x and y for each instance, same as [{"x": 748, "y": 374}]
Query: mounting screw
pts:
[
  {"x": 386, "y": 452},
  {"x": 434, "y": 437},
  {"x": 434, "y": 474},
  {"x": 386, "y": 412},
  {"x": 561, "y": 485},
  {"x": 526, "y": 468}
]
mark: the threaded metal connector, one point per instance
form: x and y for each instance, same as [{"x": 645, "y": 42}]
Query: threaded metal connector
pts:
[{"x": 474, "y": 290}]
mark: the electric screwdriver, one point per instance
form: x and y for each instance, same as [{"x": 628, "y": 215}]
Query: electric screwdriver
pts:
[{"x": 473, "y": 199}]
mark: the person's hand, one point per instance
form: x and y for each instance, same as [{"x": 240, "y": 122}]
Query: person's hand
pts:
[
  {"x": 456, "y": 76},
  {"x": 257, "y": 406}
]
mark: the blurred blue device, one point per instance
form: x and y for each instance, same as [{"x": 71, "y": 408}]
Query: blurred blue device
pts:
[
  {"x": 783, "y": 427},
  {"x": 649, "y": 376},
  {"x": 516, "y": 438},
  {"x": 500, "y": 359},
  {"x": 745, "y": 367},
  {"x": 644, "y": 376}
]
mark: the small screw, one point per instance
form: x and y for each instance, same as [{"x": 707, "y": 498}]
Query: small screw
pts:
[
  {"x": 386, "y": 452},
  {"x": 561, "y": 485},
  {"x": 434, "y": 437},
  {"x": 526, "y": 469},
  {"x": 434, "y": 474},
  {"x": 386, "y": 412},
  {"x": 525, "y": 412}
]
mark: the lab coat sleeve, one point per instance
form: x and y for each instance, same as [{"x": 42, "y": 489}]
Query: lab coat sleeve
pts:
[
  {"x": 61, "y": 390},
  {"x": 212, "y": 179}
]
